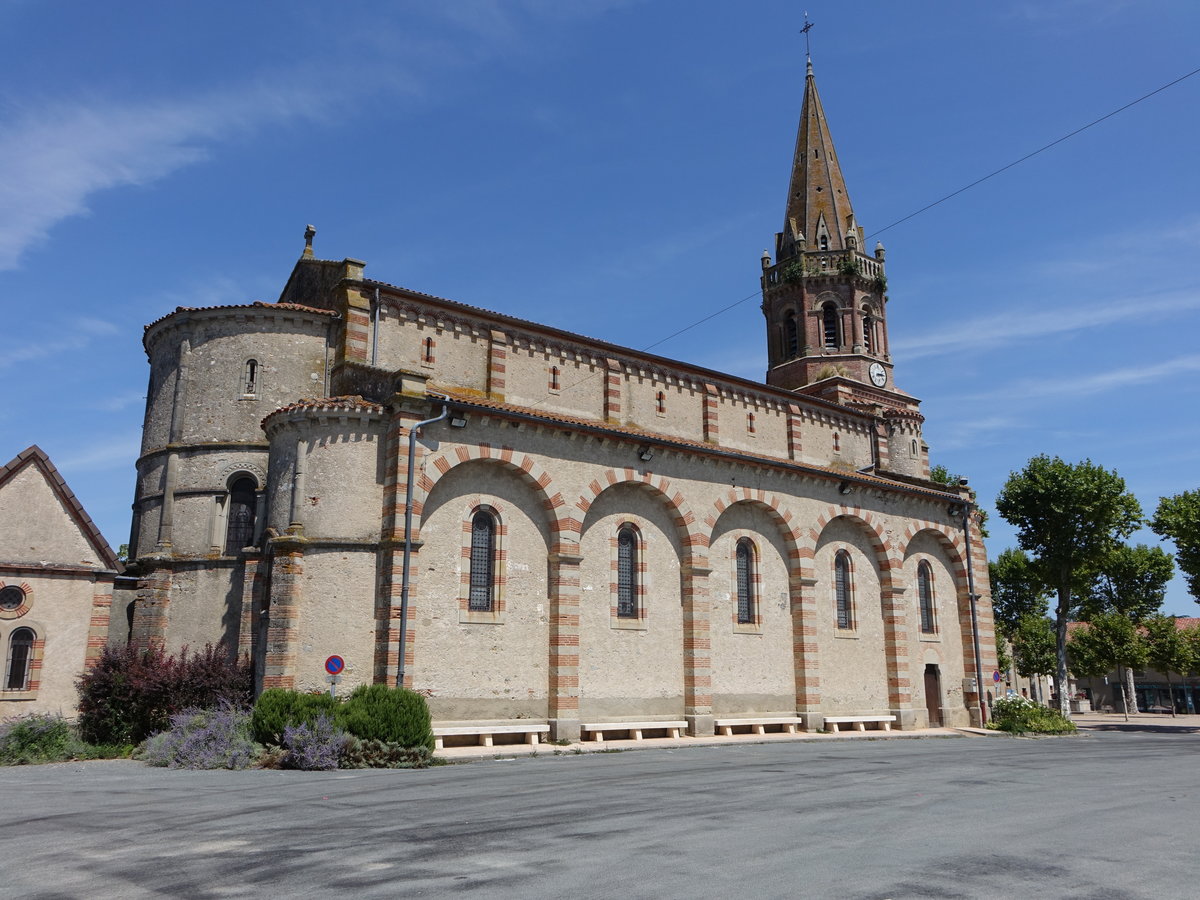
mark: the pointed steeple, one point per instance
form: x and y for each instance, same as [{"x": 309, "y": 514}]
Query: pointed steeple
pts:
[{"x": 819, "y": 215}]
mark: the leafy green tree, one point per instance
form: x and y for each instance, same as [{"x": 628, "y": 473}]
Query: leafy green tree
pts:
[
  {"x": 1034, "y": 652},
  {"x": 1131, "y": 581},
  {"x": 942, "y": 475},
  {"x": 1069, "y": 517},
  {"x": 1017, "y": 590},
  {"x": 1109, "y": 641},
  {"x": 1178, "y": 518},
  {"x": 1169, "y": 650}
]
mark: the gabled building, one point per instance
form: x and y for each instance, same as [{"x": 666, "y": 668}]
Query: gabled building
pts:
[
  {"x": 590, "y": 532},
  {"x": 56, "y": 588}
]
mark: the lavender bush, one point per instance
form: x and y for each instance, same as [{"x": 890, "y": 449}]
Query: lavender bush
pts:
[
  {"x": 204, "y": 739},
  {"x": 316, "y": 746}
]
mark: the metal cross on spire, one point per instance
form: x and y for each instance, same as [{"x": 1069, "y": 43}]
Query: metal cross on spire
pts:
[{"x": 804, "y": 31}]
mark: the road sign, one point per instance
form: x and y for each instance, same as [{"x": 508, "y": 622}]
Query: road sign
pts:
[
  {"x": 334, "y": 665},
  {"x": 996, "y": 677}
]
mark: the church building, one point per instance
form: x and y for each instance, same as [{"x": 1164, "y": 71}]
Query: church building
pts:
[{"x": 577, "y": 531}]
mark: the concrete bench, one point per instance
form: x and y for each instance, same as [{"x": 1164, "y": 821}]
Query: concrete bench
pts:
[
  {"x": 485, "y": 732},
  {"x": 635, "y": 729},
  {"x": 859, "y": 722},
  {"x": 758, "y": 725}
]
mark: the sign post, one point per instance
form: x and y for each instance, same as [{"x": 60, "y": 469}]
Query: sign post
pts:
[{"x": 334, "y": 666}]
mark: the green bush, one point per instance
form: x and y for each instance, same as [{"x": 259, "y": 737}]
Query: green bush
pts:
[
  {"x": 372, "y": 754},
  {"x": 1018, "y": 715},
  {"x": 377, "y": 712},
  {"x": 277, "y": 709},
  {"x": 41, "y": 738}
]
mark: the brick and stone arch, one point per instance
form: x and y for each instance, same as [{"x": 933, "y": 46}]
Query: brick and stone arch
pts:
[{"x": 692, "y": 538}]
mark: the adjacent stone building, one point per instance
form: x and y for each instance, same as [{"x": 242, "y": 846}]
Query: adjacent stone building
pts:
[
  {"x": 597, "y": 533},
  {"x": 56, "y": 588}
]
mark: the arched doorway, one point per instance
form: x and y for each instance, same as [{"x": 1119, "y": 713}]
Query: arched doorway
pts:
[{"x": 933, "y": 695}]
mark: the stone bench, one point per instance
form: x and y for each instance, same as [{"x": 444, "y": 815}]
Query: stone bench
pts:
[
  {"x": 485, "y": 732},
  {"x": 758, "y": 724},
  {"x": 635, "y": 729},
  {"x": 859, "y": 722}
]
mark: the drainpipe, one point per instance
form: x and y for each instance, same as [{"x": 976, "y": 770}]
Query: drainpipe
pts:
[
  {"x": 408, "y": 511},
  {"x": 375, "y": 330},
  {"x": 966, "y": 527}
]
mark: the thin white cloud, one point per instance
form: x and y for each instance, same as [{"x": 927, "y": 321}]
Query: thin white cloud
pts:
[
  {"x": 1030, "y": 390},
  {"x": 989, "y": 332},
  {"x": 55, "y": 156},
  {"x": 76, "y": 335},
  {"x": 115, "y": 452}
]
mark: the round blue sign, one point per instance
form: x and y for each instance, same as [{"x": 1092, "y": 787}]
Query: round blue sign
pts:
[{"x": 334, "y": 665}]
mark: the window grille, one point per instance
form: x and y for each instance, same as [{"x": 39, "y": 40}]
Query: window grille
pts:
[
  {"x": 243, "y": 502},
  {"x": 20, "y": 653},
  {"x": 11, "y": 598},
  {"x": 745, "y": 582},
  {"x": 483, "y": 557},
  {"x": 841, "y": 569},
  {"x": 627, "y": 574},
  {"x": 925, "y": 596},
  {"x": 829, "y": 319}
]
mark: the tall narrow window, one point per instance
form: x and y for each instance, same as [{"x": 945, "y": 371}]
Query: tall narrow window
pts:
[
  {"x": 746, "y": 601},
  {"x": 750, "y": 423},
  {"x": 868, "y": 337},
  {"x": 483, "y": 562},
  {"x": 250, "y": 378},
  {"x": 829, "y": 322},
  {"x": 660, "y": 403},
  {"x": 842, "y": 590},
  {"x": 925, "y": 597},
  {"x": 427, "y": 350},
  {"x": 824, "y": 242},
  {"x": 20, "y": 655},
  {"x": 243, "y": 501},
  {"x": 627, "y": 573},
  {"x": 554, "y": 378},
  {"x": 791, "y": 338}
]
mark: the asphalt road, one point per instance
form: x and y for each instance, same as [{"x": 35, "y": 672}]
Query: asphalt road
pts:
[{"x": 1099, "y": 815}]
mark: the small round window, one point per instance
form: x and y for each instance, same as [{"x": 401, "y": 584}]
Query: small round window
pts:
[{"x": 11, "y": 598}]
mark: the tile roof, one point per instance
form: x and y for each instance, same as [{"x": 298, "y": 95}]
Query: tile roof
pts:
[
  {"x": 257, "y": 304},
  {"x": 35, "y": 456},
  {"x": 353, "y": 403}
]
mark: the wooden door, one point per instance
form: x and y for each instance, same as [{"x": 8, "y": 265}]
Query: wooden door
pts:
[{"x": 933, "y": 696}]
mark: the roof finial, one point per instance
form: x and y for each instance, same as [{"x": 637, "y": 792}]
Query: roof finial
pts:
[
  {"x": 807, "y": 46},
  {"x": 309, "y": 233}
]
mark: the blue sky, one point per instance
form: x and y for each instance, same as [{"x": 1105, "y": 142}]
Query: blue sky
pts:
[{"x": 616, "y": 168}]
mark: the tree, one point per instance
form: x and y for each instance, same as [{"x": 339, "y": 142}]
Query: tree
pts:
[
  {"x": 1017, "y": 590},
  {"x": 1034, "y": 651},
  {"x": 1168, "y": 650},
  {"x": 1109, "y": 641},
  {"x": 1131, "y": 581},
  {"x": 942, "y": 475},
  {"x": 1178, "y": 518},
  {"x": 1069, "y": 517}
]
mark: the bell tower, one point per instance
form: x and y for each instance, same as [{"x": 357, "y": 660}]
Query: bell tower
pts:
[{"x": 824, "y": 298}]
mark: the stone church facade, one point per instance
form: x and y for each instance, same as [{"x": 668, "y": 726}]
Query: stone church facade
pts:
[{"x": 594, "y": 532}]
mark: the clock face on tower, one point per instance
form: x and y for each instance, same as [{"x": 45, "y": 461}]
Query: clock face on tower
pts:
[{"x": 878, "y": 374}]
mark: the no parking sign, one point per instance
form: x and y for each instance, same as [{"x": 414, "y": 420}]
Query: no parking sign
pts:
[{"x": 334, "y": 665}]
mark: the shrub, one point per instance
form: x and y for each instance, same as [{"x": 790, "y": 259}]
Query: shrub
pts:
[
  {"x": 1019, "y": 715},
  {"x": 204, "y": 739},
  {"x": 315, "y": 746},
  {"x": 374, "y": 754},
  {"x": 377, "y": 712},
  {"x": 277, "y": 708},
  {"x": 131, "y": 693},
  {"x": 36, "y": 739}
]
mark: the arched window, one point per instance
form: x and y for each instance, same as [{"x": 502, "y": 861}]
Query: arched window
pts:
[
  {"x": 660, "y": 403},
  {"x": 250, "y": 378},
  {"x": 750, "y": 422},
  {"x": 791, "y": 338},
  {"x": 824, "y": 242},
  {"x": 868, "y": 336},
  {"x": 243, "y": 503},
  {"x": 554, "y": 378},
  {"x": 483, "y": 562},
  {"x": 925, "y": 598},
  {"x": 20, "y": 657},
  {"x": 831, "y": 326},
  {"x": 627, "y": 573},
  {"x": 427, "y": 350},
  {"x": 842, "y": 588},
  {"x": 746, "y": 599}
]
